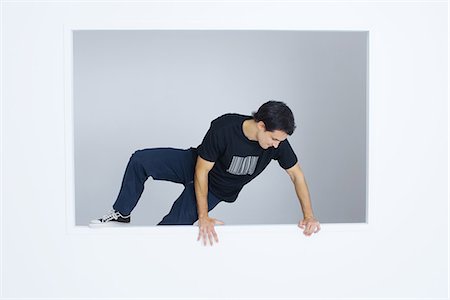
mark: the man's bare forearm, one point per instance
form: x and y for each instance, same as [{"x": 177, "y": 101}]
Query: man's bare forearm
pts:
[
  {"x": 201, "y": 192},
  {"x": 301, "y": 188}
]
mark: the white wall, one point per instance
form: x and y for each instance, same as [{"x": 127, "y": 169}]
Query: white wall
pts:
[{"x": 401, "y": 252}]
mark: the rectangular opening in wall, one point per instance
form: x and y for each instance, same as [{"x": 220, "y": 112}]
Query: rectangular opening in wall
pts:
[{"x": 159, "y": 90}]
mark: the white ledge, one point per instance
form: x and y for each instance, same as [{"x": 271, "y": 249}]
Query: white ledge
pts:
[{"x": 177, "y": 229}]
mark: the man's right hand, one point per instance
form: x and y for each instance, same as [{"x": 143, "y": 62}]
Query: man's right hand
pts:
[{"x": 206, "y": 229}]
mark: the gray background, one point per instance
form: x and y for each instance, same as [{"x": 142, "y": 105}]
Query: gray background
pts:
[{"x": 136, "y": 89}]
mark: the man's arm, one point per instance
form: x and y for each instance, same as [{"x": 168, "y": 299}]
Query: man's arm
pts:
[
  {"x": 202, "y": 169},
  {"x": 205, "y": 223},
  {"x": 301, "y": 188}
]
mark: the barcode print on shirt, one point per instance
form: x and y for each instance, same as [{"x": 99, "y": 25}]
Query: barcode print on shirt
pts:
[{"x": 243, "y": 165}]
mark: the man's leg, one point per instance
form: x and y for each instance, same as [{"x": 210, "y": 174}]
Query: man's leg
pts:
[
  {"x": 176, "y": 165},
  {"x": 184, "y": 210}
]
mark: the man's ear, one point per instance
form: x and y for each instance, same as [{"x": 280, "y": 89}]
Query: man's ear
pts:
[{"x": 261, "y": 125}]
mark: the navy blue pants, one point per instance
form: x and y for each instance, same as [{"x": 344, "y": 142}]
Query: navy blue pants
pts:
[{"x": 170, "y": 164}]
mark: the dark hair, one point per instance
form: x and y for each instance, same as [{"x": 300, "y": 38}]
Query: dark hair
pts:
[{"x": 276, "y": 115}]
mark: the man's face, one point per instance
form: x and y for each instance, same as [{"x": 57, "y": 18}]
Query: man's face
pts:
[{"x": 269, "y": 139}]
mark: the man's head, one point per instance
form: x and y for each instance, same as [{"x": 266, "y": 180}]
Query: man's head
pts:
[{"x": 275, "y": 122}]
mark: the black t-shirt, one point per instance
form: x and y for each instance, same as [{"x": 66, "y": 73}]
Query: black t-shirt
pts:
[{"x": 237, "y": 159}]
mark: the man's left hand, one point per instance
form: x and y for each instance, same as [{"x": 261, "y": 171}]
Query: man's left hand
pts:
[{"x": 310, "y": 224}]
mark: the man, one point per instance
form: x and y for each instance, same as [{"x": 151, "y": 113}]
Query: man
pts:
[{"x": 235, "y": 150}]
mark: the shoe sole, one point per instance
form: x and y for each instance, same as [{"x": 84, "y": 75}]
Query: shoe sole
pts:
[{"x": 108, "y": 224}]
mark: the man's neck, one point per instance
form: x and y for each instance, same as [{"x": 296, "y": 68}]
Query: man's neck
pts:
[{"x": 250, "y": 129}]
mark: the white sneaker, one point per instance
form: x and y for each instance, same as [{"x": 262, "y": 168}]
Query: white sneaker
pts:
[{"x": 113, "y": 218}]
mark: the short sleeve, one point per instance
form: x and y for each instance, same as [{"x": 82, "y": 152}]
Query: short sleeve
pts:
[
  {"x": 285, "y": 155},
  {"x": 212, "y": 145}
]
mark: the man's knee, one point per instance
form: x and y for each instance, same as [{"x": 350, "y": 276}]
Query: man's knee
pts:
[
  {"x": 136, "y": 157},
  {"x": 177, "y": 221}
]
